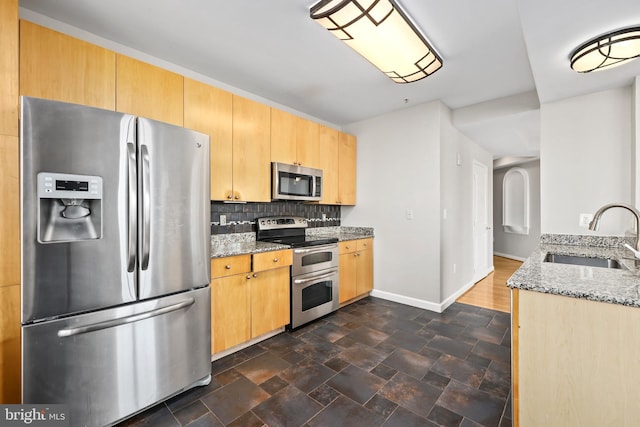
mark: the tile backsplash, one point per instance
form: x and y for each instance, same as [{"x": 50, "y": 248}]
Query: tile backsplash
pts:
[{"x": 241, "y": 217}]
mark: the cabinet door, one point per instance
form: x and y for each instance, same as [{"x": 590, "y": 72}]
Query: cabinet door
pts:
[
  {"x": 251, "y": 151},
  {"x": 148, "y": 91},
  {"x": 347, "y": 276},
  {"x": 230, "y": 312},
  {"x": 328, "y": 142},
  {"x": 10, "y": 69},
  {"x": 10, "y": 344},
  {"x": 283, "y": 137},
  {"x": 308, "y": 143},
  {"x": 347, "y": 168},
  {"x": 210, "y": 110},
  {"x": 270, "y": 300},
  {"x": 364, "y": 272},
  {"x": 56, "y": 66},
  {"x": 10, "y": 213}
]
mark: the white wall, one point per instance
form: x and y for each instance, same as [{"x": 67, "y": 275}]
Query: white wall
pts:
[
  {"x": 585, "y": 161},
  {"x": 398, "y": 169},
  {"x": 517, "y": 246},
  {"x": 456, "y": 244},
  {"x": 407, "y": 162}
]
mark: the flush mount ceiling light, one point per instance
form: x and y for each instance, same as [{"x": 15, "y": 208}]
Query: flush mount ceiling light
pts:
[
  {"x": 380, "y": 31},
  {"x": 608, "y": 50}
]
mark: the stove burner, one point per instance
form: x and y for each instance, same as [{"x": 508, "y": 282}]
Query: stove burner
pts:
[{"x": 288, "y": 230}]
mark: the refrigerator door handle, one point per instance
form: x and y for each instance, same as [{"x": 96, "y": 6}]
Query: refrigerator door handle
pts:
[
  {"x": 146, "y": 207},
  {"x": 133, "y": 201},
  {"x": 68, "y": 332}
]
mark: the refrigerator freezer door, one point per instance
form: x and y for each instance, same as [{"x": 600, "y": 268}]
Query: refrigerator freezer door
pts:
[
  {"x": 113, "y": 363},
  {"x": 174, "y": 244},
  {"x": 63, "y": 277}
]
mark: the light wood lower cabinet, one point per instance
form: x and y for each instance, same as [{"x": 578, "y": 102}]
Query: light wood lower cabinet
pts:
[
  {"x": 356, "y": 268},
  {"x": 10, "y": 344},
  {"x": 575, "y": 362},
  {"x": 249, "y": 297}
]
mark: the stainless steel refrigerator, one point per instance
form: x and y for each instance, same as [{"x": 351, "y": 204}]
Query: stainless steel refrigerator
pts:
[{"x": 115, "y": 260}]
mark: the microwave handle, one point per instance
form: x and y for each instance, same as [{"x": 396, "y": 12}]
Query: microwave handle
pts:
[{"x": 313, "y": 187}]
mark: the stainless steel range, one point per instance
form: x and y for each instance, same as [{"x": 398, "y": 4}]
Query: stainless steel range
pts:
[{"x": 314, "y": 273}]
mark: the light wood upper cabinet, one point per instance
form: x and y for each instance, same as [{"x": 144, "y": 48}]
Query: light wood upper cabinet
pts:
[
  {"x": 294, "y": 140},
  {"x": 210, "y": 110},
  {"x": 9, "y": 66},
  {"x": 149, "y": 91},
  {"x": 56, "y": 66},
  {"x": 308, "y": 143},
  {"x": 338, "y": 162},
  {"x": 10, "y": 213},
  {"x": 329, "y": 165},
  {"x": 251, "y": 150},
  {"x": 347, "y": 169},
  {"x": 283, "y": 137}
]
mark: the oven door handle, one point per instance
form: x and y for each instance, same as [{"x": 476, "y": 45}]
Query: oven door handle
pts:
[
  {"x": 322, "y": 248},
  {"x": 314, "y": 278}
]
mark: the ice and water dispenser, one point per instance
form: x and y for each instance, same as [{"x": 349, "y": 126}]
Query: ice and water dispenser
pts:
[{"x": 69, "y": 208}]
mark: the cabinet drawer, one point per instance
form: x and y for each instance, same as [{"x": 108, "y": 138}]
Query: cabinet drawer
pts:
[
  {"x": 228, "y": 266},
  {"x": 347, "y": 247},
  {"x": 274, "y": 259},
  {"x": 364, "y": 244}
]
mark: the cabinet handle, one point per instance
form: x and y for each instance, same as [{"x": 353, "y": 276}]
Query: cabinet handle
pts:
[
  {"x": 229, "y": 197},
  {"x": 248, "y": 276},
  {"x": 347, "y": 247},
  {"x": 237, "y": 197},
  {"x": 228, "y": 267},
  {"x": 255, "y": 274},
  {"x": 275, "y": 260}
]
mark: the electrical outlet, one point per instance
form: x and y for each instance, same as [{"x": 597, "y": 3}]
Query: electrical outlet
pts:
[
  {"x": 409, "y": 213},
  {"x": 223, "y": 220},
  {"x": 324, "y": 216},
  {"x": 455, "y": 268},
  {"x": 444, "y": 214},
  {"x": 584, "y": 220}
]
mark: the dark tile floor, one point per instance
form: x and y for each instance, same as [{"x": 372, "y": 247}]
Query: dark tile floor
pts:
[{"x": 372, "y": 363}]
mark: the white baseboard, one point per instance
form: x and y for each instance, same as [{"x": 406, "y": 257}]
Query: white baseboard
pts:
[
  {"x": 446, "y": 303},
  {"x": 414, "y": 302},
  {"x": 517, "y": 258}
]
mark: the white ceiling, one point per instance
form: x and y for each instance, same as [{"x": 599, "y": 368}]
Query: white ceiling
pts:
[{"x": 492, "y": 49}]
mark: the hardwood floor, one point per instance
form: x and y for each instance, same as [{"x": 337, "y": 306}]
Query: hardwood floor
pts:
[{"x": 492, "y": 291}]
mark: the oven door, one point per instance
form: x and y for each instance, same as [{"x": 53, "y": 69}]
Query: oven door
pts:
[
  {"x": 310, "y": 259},
  {"x": 313, "y": 295}
]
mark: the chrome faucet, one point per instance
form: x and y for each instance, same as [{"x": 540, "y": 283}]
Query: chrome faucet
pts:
[{"x": 593, "y": 225}]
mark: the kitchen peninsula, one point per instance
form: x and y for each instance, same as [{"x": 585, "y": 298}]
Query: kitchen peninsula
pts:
[{"x": 576, "y": 336}]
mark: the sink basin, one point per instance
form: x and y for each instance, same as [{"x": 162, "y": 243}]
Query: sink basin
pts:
[{"x": 579, "y": 260}]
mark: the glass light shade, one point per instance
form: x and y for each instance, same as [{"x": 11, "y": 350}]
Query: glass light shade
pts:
[
  {"x": 382, "y": 33},
  {"x": 608, "y": 50}
]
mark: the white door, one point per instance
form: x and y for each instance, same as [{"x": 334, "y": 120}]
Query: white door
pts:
[{"x": 481, "y": 228}]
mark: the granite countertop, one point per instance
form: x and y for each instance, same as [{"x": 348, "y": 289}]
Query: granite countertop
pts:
[
  {"x": 616, "y": 286},
  {"x": 223, "y": 245}
]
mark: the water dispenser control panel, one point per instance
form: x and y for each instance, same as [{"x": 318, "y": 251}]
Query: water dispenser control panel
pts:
[{"x": 68, "y": 186}]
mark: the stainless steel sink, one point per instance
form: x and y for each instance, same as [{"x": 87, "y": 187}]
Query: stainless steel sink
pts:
[{"x": 579, "y": 260}]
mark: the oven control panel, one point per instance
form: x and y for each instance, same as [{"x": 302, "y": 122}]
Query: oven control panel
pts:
[{"x": 278, "y": 222}]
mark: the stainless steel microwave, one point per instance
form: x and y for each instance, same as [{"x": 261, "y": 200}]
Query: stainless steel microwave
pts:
[{"x": 291, "y": 182}]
